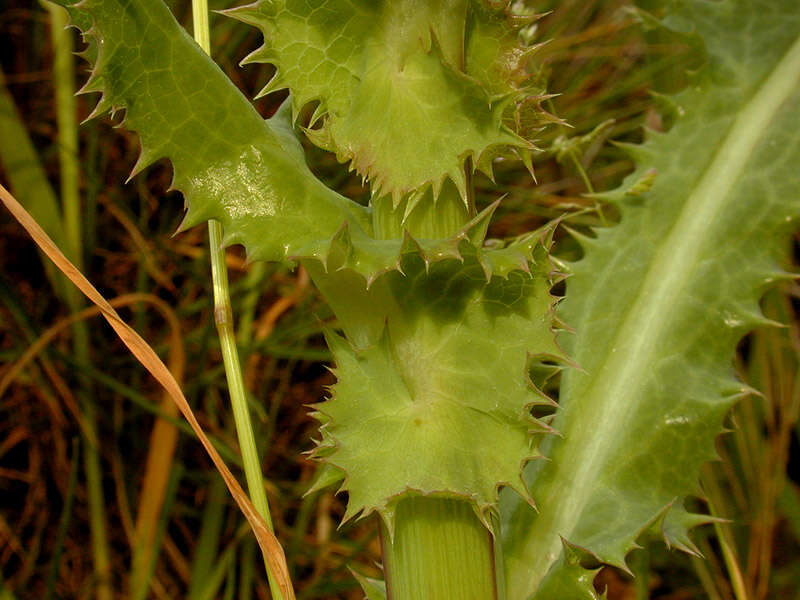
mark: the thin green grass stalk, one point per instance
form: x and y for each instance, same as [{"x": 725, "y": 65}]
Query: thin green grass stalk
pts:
[
  {"x": 220, "y": 571},
  {"x": 223, "y": 317},
  {"x": 640, "y": 565},
  {"x": 252, "y": 282},
  {"x": 63, "y": 523},
  {"x": 205, "y": 551},
  {"x": 706, "y": 578},
  {"x": 230, "y": 585},
  {"x": 241, "y": 414},
  {"x": 66, "y": 114},
  {"x": 725, "y": 538},
  {"x": 247, "y": 571}
]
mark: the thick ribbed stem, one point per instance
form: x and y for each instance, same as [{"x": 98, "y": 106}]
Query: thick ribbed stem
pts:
[{"x": 440, "y": 551}]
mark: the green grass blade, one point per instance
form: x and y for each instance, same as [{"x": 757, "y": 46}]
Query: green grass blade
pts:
[
  {"x": 29, "y": 181},
  {"x": 63, "y": 523}
]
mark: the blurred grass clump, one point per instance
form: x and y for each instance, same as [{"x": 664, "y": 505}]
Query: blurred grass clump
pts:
[{"x": 103, "y": 491}]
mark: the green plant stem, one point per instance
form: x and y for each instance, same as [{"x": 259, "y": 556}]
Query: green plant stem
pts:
[
  {"x": 252, "y": 283},
  {"x": 66, "y": 115},
  {"x": 713, "y": 494},
  {"x": 640, "y": 565},
  {"x": 432, "y": 220},
  {"x": 440, "y": 551},
  {"x": 223, "y": 317},
  {"x": 205, "y": 551},
  {"x": 63, "y": 522},
  {"x": 706, "y": 578},
  {"x": 247, "y": 569}
]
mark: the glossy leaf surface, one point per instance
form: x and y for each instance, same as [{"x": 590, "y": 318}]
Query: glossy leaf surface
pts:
[{"x": 231, "y": 164}]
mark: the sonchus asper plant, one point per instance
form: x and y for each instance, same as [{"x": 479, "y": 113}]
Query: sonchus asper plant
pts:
[{"x": 444, "y": 340}]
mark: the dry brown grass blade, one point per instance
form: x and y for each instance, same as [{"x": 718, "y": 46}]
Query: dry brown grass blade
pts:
[
  {"x": 55, "y": 378},
  {"x": 266, "y": 323},
  {"x": 43, "y": 340},
  {"x": 160, "y": 460},
  {"x": 271, "y": 548},
  {"x": 163, "y": 439},
  {"x": 164, "y": 436},
  {"x": 141, "y": 244}
]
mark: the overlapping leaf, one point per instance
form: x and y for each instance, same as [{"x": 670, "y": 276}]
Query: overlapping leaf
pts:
[
  {"x": 439, "y": 300},
  {"x": 407, "y": 90},
  {"x": 231, "y": 165},
  {"x": 435, "y": 396},
  {"x": 660, "y": 301}
]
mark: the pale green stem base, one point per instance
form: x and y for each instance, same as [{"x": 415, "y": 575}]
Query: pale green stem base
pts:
[{"x": 440, "y": 551}]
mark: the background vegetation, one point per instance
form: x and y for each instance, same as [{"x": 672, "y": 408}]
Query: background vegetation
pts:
[{"x": 171, "y": 530}]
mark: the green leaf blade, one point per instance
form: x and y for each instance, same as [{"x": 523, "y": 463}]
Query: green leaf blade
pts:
[
  {"x": 407, "y": 90},
  {"x": 437, "y": 401},
  {"x": 232, "y": 165},
  {"x": 660, "y": 301}
]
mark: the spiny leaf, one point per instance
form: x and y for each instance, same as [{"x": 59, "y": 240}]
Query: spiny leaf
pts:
[
  {"x": 569, "y": 579},
  {"x": 433, "y": 393},
  {"x": 408, "y": 90},
  {"x": 660, "y": 301},
  {"x": 249, "y": 174},
  {"x": 231, "y": 165},
  {"x": 374, "y": 589}
]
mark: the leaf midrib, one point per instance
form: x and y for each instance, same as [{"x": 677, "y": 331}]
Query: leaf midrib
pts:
[{"x": 622, "y": 374}]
